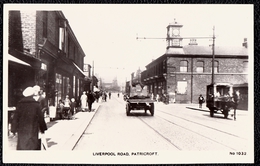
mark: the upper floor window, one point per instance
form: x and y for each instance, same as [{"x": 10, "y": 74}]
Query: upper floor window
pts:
[
  {"x": 184, "y": 66},
  {"x": 62, "y": 34},
  {"x": 200, "y": 67},
  {"x": 61, "y": 38},
  {"x": 245, "y": 66},
  {"x": 216, "y": 67}
]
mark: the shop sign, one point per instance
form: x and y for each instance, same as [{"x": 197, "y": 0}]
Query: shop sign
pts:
[{"x": 43, "y": 66}]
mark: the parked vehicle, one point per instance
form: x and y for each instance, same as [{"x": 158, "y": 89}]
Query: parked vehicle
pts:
[{"x": 219, "y": 98}]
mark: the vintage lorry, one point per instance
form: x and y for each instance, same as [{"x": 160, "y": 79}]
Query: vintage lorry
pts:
[{"x": 137, "y": 97}]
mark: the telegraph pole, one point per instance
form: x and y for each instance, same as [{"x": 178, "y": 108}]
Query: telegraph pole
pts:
[
  {"x": 213, "y": 55},
  {"x": 93, "y": 76}
]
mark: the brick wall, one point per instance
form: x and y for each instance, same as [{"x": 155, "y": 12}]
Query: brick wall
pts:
[
  {"x": 230, "y": 70},
  {"x": 28, "y": 24}
]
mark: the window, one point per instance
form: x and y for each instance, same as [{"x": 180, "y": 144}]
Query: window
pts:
[
  {"x": 216, "y": 67},
  {"x": 74, "y": 86},
  {"x": 61, "y": 38},
  {"x": 184, "y": 66},
  {"x": 58, "y": 86},
  {"x": 200, "y": 67},
  {"x": 245, "y": 66}
]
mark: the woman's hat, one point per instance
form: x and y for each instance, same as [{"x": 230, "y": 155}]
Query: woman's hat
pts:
[
  {"x": 37, "y": 88},
  {"x": 29, "y": 91}
]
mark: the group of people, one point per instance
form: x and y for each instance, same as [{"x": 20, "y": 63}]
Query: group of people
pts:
[
  {"x": 66, "y": 108},
  {"x": 163, "y": 97},
  {"x": 103, "y": 95},
  {"x": 28, "y": 120}
]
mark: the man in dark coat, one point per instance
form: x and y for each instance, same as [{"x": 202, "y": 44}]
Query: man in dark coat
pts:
[
  {"x": 90, "y": 100},
  {"x": 28, "y": 120},
  {"x": 201, "y": 100}
]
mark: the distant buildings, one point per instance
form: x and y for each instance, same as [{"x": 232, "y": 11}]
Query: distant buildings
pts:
[
  {"x": 111, "y": 86},
  {"x": 184, "y": 71}
]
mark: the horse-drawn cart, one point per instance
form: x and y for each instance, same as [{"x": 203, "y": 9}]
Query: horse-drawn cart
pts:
[{"x": 220, "y": 98}]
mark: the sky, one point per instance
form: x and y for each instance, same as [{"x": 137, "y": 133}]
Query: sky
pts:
[{"x": 107, "y": 32}]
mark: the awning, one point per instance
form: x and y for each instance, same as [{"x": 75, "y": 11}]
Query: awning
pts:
[
  {"x": 16, "y": 60},
  {"x": 78, "y": 68}
]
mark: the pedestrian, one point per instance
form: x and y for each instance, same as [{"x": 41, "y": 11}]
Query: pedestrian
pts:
[
  {"x": 73, "y": 106},
  {"x": 90, "y": 100},
  {"x": 152, "y": 96},
  {"x": 66, "y": 110},
  {"x": 105, "y": 93},
  {"x": 109, "y": 95},
  {"x": 157, "y": 98},
  {"x": 67, "y": 101},
  {"x": 83, "y": 100},
  {"x": 236, "y": 98},
  {"x": 118, "y": 94},
  {"x": 97, "y": 96},
  {"x": 39, "y": 96},
  {"x": 60, "y": 108},
  {"x": 28, "y": 120},
  {"x": 201, "y": 100}
]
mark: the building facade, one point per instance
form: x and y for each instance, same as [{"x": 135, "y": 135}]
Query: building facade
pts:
[
  {"x": 44, "y": 51},
  {"x": 184, "y": 71}
]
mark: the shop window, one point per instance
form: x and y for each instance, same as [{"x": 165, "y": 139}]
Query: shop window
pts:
[
  {"x": 78, "y": 86},
  {"x": 74, "y": 86},
  {"x": 245, "y": 66},
  {"x": 184, "y": 66},
  {"x": 58, "y": 87},
  {"x": 200, "y": 67},
  {"x": 68, "y": 86}
]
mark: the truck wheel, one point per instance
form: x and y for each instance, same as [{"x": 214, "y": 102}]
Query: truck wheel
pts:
[
  {"x": 127, "y": 110},
  {"x": 211, "y": 110},
  {"x": 152, "y": 109}
]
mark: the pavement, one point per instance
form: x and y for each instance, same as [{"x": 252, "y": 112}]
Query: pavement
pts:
[
  {"x": 196, "y": 108},
  {"x": 64, "y": 134}
]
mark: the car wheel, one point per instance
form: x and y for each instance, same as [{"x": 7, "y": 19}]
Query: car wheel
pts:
[
  {"x": 127, "y": 109},
  {"x": 152, "y": 109}
]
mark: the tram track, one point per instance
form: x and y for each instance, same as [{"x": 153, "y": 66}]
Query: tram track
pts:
[
  {"x": 203, "y": 125},
  {"x": 169, "y": 121}
]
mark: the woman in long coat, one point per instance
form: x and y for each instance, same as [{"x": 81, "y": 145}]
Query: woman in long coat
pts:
[
  {"x": 83, "y": 100},
  {"x": 28, "y": 120}
]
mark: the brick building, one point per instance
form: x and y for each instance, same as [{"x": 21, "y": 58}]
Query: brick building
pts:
[
  {"x": 44, "y": 51},
  {"x": 184, "y": 71}
]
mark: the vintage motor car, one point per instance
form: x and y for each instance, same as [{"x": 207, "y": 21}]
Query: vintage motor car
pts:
[
  {"x": 137, "y": 97},
  {"x": 139, "y": 100}
]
